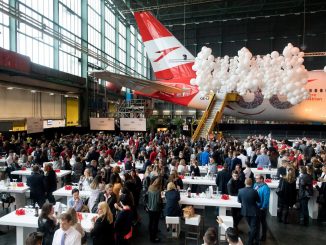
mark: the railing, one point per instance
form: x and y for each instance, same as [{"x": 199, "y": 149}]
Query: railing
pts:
[
  {"x": 218, "y": 115},
  {"x": 203, "y": 118}
]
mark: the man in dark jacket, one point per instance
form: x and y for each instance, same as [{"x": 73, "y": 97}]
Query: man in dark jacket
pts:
[
  {"x": 248, "y": 197},
  {"x": 222, "y": 179},
  {"x": 281, "y": 171},
  {"x": 36, "y": 186},
  {"x": 233, "y": 186},
  {"x": 50, "y": 182}
]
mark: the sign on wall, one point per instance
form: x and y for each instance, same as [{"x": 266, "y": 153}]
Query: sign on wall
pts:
[
  {"x": 133, "y": 124},
  {"x": 54, "y": 123},
  {"x": 34, "y": 125},
  {"x": 101, "y": 123}
]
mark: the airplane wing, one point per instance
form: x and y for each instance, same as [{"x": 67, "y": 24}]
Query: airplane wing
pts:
[{"x": 142, "y": 85}]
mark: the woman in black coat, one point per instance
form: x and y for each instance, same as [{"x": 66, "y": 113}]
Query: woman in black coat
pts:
[
  {"x": 47, "y": 223},
  {"x": 305, "y": 192},
  {"x": 172, "y": 197},
  {"x": 103, "y": 230},
  {"x": 287, "y": 195},
  {"x": 50, "y": 182}
]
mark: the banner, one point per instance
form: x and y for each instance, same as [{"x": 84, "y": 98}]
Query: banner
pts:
[
  {"x": 54, "y": 123},
  {"x": 101, "y": 123},
  {"x": 72, "y": 113},
  {"x": 34, "y": 125},
  {"x": 133, "y": 124}
]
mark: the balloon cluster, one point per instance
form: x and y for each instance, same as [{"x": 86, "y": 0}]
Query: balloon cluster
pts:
[{"x": 271, "y": 74}]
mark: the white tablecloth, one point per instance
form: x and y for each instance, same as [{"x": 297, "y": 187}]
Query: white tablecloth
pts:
[
  {"x": 28, "y": 223},
  {"x": 199, "y": 180},
  {"x": 17, "y": 192},
  {"x": 28, "y": 172}
]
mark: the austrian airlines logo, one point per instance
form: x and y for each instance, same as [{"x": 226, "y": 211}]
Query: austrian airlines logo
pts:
[{"x": 164, "y": 53}]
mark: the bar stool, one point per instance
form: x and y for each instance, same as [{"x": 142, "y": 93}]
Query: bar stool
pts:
[
  {"x": 194, "y": 234},
  {"x": 174, "y": 221},
  {"x": 228, "y": 221}
]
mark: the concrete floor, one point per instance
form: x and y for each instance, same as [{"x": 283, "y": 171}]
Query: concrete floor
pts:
[{"x": 278, "y": 233}]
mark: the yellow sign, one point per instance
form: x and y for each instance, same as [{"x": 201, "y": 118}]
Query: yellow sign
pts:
[
  {"x": 18, "y": 126},
  {"x": 72, "y": 113}
]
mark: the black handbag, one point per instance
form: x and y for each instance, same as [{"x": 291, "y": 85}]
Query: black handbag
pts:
[
  {"x": 6, "y": 198},
  {"x": 279, "y": 190}
]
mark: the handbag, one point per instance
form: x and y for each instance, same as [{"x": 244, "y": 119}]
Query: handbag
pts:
[
  {"x": 279, "y": 190},
  {"x": 188, "y": 212},
  {"x": 6, "y": 198}
]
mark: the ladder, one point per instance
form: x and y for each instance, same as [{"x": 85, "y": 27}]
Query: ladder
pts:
[{"x": 213, "y": 114}]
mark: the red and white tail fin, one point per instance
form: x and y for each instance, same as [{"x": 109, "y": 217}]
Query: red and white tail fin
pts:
[{"x": 169, "y": 58}]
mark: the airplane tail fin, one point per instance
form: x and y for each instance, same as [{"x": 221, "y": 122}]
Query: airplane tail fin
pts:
[{"x": 169, "y": 58}]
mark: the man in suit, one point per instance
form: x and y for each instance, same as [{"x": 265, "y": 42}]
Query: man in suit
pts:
[
  {"x": 36, "y": 185},
  {"x": 248, "y": 197},
  {"x": 222, "y": 179}
]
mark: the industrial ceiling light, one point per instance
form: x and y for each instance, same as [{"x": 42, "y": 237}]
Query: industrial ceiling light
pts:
[
  {"x": 51, "y": 94},
  {"x": 66, "y": 95},
  {"x": 10, "y": 88},
  {"x": 33, "y": 91}
]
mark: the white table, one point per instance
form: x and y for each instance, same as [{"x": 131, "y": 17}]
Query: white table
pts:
[
  {"x": 273, "y": 200},
  {"x": 138, "y": 165},
  {"x": 28, "y": 172},
  {"x": 17, "y": 192},
  {"x": 214, "y": 202},
  {"x": 199, "y": 181},
  {"x": 202, "y": 169},
  {"x": 264, "y": 171},
  {"x": 62, "y": 192},
  {"x": 28, "y": 223}
]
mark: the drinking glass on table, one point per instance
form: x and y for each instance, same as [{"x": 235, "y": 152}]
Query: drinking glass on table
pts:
[{"x": 14, "y": 185}]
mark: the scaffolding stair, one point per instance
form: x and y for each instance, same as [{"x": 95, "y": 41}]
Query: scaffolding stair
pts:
[{"x": 213, "y": 114}]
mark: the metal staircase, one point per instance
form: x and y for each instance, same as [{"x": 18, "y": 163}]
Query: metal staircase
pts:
[{"x": 213, "y": 114}]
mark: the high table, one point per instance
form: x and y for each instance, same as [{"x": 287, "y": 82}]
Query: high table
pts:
[
  {"x": 17, "y": 192},
  {"x": 273, "y": 200},
  {"x": 62, "y": 192},
  {"x": 28, "y": 172},
  {"x": 215, "y": 201},
  {"x": 138, "y": 165},
  {"x": 199, "y": 180},
  {"x": 28, "y": 223},
  {"x": 264, "y": 171}
]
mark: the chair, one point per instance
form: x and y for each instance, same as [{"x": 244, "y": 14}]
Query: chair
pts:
[
  {"x": 174, "y": 221},
  {"x": 228, "y": 221},
  {"x": 201, "y": 209},
  {"x": 191, "y": 233}
]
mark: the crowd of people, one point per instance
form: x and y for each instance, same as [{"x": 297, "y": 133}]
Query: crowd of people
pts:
[{"x": 116, "y": 193}]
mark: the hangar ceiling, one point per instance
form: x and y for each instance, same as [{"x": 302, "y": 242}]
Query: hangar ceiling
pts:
[{"x": 227, "y": 26}]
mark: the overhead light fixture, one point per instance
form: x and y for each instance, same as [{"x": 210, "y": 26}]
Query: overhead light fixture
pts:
[
  {"x": 267, "y": 16},
  {"x": 66, "y": 96},
  {"x": 282, "y": 15},
  {"x": 253, "y": 17},
  {"x": 51, "y": 94},
  {"x": 238, "y": 19},
  {"x": 210, "y": 21},
  {"x": 10, "y": 88},
  {"x": 33, "y": 91}
]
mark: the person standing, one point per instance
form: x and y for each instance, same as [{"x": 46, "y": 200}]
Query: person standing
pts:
[
  {"x": 264, "y": 192},
  {"x": 47, "y": 223},
  {"x": 103, "y": 226},
  {"x": 305, "y": 192},
  {"x": 248, "y": 197},
  {"x": 222, "y": 179},
  {"x": 36, "y": 185},
  {"x": 262, "y": 160},
  {"x": 67, "y": 234},
  {"x": 154, "y": 208},
  {"x": 287, "y": 195},
  {"x": 50, "y": 182},
  {"x": 234, "y": 185}
]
